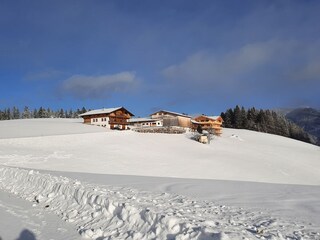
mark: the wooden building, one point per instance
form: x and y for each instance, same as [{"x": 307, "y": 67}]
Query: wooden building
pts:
[
  {"x": 145, "y": 122},
  {"x": 172, "y": 118},
  {"x": 113, "y": 118},
  {"x": 208, "y": 123}
]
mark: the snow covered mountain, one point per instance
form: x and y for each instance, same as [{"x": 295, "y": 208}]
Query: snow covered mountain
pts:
[
  {"x": 308, "y": 119},
  {"x": 128, "y": 185}
]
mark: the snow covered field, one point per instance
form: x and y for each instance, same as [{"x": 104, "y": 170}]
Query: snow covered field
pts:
[{"x": 244, "y": 184}]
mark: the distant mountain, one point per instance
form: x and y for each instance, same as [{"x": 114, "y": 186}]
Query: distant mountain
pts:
[{"x": 306, "y": 118}]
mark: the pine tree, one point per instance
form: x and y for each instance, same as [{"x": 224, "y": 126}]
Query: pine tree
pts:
[
  {"x": 61, "y": 113},
  {"x": 35, "y": 113},
  {"x": 49, "y": 113},
  {"x": 263, "y": 121},
  {"x": 237, "y": 117},
  {"x": 227, "y": 118},
  {"x": 8, "y": 114},
  {"x": 244, "y": 119},
  {"x": 252, "y": 118},
  {"x": 42, "y": 113},
  {"x": 26, "y": 113},
  {"x": 15, "y": 113},
  {"x": 2, "y": 115}
]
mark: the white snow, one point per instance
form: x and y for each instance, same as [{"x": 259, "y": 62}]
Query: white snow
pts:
[
  {"x": 280, "y": 173},
  {"x": 44, "y": 127},
  {"x": 124, "y": 213},
  {"x": 238, "y": 155},
  {"x": 20, "y": 220}
]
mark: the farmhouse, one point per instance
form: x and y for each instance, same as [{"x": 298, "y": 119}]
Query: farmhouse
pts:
[
  {"x": 113, "y": 118},
  {"x": 172, "y": 118},
  {"x": 145, "y": 122},
  {"x": 208, "y": 123}
]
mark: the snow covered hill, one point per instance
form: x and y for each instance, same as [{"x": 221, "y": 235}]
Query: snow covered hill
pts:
[
  {"x": 44, "y": 127},
  {"x": 240, "y": 155},
  {"x": 242, "y": 168}
]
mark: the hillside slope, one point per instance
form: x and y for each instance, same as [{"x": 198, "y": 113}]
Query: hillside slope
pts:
[
  {"x": 131, "y": 207},
  {"x": 239, "y": 155}
]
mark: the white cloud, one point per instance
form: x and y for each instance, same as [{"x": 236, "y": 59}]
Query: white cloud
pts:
[
  {"x": 309, "y": 72},
  {"x": 206, "y": 67},
  {"x": 102, "y": 86},
  {"x": 258, "y": 68}
]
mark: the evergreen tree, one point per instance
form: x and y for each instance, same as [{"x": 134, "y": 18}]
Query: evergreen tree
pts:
[
  {"x": 252, "y": 118},
  {"x": 83, "y": 110},
  {"x": 2, "y": 115},
  {"x": 49, "y": 113},
  {"x": 15, "y": 113},
  {"x": 227, "y": 118},
  {"x": 243, "y": 118},
  {"x": 61, "y": 113},
  {"x": 237, "y": 117},
  {"x": 8, "y": 114},
  {"x": 42, "y": 113},
  {"x": 26, "y": 113},
  {"x": 263, "y": 121},
  {"x": 35, "y": 113}
]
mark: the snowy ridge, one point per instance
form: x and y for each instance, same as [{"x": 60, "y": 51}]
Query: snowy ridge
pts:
[{"x": 103, "y": 212}]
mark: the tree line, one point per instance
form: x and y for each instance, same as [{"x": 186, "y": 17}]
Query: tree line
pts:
[
  {"x": 15, "y": 113},
  {"x": 263, "y": 121}
]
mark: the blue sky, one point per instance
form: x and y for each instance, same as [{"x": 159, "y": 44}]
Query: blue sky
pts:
[{"x": 185, "y": 56}]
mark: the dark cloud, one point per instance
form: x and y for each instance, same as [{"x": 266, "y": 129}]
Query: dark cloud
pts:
[{"x": 103, "y": 86}]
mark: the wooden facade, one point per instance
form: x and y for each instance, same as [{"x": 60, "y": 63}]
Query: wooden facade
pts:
[
  {"x": 208, "y": 123},
  {"x": 172, "y": 119},
  {"x": 113, "y": 118}
]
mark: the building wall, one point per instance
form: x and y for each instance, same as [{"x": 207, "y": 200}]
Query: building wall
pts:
[
  {"x": 170, "y": 119},
  {"x": 169, "y": 122},
  {"x": 114, "y": 120},
  {"x": 158, "y": 115},
  {"x": 177, "y": 121},
  {"x": 148, "y": 124},
  {"x": 184, "y": 122},
  {"x": 100, "y": 121},
  {"x": 207, "y": 124}
]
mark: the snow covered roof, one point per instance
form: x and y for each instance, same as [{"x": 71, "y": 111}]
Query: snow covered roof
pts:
[
  {"x": 214, "y": 117},
  {"x": 194, "y": 121},
  {"x": 102, "y": 111},
  {"x": 173, "y": 113},
  {"x": 133, "y": 120}
]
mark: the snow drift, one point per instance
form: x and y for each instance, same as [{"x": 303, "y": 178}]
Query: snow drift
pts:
[{"x": 107, "y": 212}]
